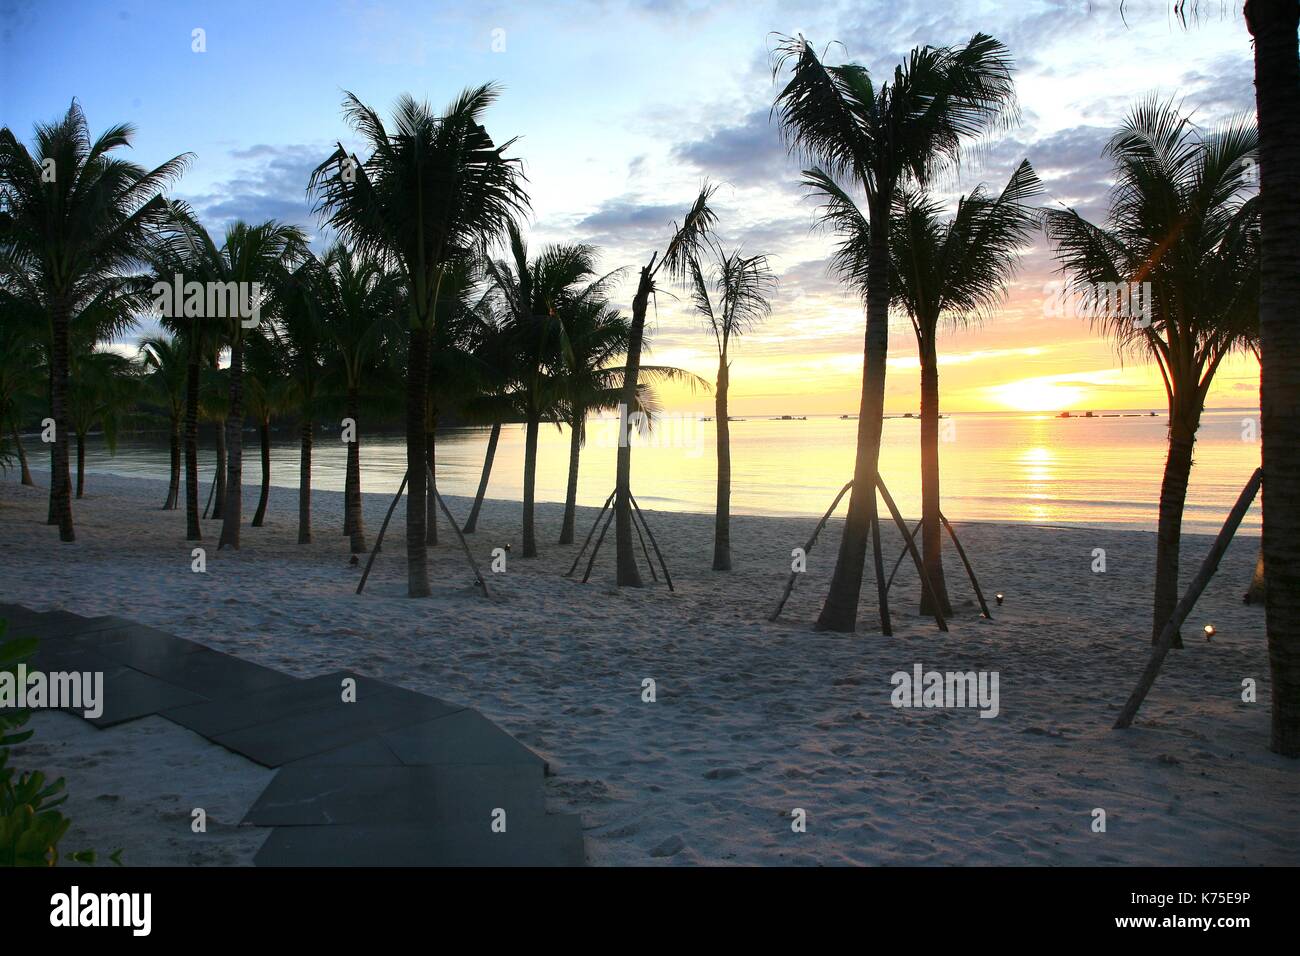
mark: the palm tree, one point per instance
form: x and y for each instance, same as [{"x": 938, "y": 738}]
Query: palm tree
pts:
[
  {"x": 1273, "y": 24},
  {"x": 253, "y": 257},
  {"x": 595, "y": 335},
  {"x": 102, "y": 389},
  {"x": 74, "y": 218},
  {"x": 165, "y": 359},
  {"x": 214, "y": 408},
  {"x": 301, "y": 333},
  {"x": 534, "y": 293},
  {"x": 20, "y": 357},
  {"x": 879, "y": 137},
  {"x": 267, "y": 394},
  {"x": 682, "y": 245},
  {"x": 955, "y": 271},
  {"x": 359, "y": 298},
  {"x": 741, "y": 285},
  {"x": 493, "y": 403},
  {"x": 1179, "y": 222},
  {"x": 431, "y": 189}
]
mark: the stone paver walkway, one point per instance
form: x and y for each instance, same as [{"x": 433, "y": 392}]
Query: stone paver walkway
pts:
[{"x": 370, "y": 774}]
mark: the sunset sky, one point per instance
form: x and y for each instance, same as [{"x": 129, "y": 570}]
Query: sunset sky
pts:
[{"x": 622, "y": 109}]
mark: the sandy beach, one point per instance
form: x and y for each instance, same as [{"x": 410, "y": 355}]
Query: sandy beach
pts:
[{"x": 751, "y": 719}]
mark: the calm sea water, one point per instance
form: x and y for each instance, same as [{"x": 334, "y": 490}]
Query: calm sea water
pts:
[{"x": 1097, "y": 472}]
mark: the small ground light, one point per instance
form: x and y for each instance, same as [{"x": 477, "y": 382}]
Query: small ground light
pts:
[
  {"x": 1209, "y": 631},
  {"x": 998, "y": 598}
]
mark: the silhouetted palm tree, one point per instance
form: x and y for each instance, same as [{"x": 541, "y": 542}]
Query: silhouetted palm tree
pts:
[
  {"x": 74, "y": 219},
  {"x": 878, "y": 137},
  {"x": 20, "y": 379},
  {"x": 360, "y": 300},
  {"x": 534, "y": 294},
  {"x": 164, "y": 359},
  {"x": 1181, "y": 221},
  {"x": 267, "y": 393},
  {"x": 432, "y": 188},
  {"x": 682, "y": 245},
  {"x": 300, "y": 331},
  {"x": 731, "y": 292},
  {"x": 102, "y": 389},
  {"x": 1273, "y": 24},
  {"x": 955, "y": 271}
]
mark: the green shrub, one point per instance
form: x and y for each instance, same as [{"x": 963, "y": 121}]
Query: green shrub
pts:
[{"x": 30, "y": 824}]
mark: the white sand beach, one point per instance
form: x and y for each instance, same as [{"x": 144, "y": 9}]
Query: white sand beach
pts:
[{"x": 752, "y": 719}]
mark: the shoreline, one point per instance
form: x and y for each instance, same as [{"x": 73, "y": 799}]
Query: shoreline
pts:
[{"x": 752, "y": 718}]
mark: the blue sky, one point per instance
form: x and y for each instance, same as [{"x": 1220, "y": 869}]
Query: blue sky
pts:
[{"x": 621, "y": 109}]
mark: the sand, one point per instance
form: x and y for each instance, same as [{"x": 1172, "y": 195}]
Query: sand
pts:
[{"x": 752, "y": 720}]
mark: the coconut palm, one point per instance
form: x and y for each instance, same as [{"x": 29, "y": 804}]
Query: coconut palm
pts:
[
  {"x": 682, "y": 245},
  {"x": 164, "y": 359},
  {"x": 74, "y": 219},
  {"x": 102, "y": 389},
  {"x": 533, "y": 294},
  {"x": 951, "y": 272},
  {"x": 731, "y": 293},
  {"x": 301, "y": 334},
  {"x": 878, "y": 137},
  {"x": 493, "y": 403},
  {"x": 1181, "y": 223},
  {"x": 267, "y": 393},
  {"x": 359, "y": 299},
  {"x": 432, "y": 188},
  {"x": 20, "y": 380},
  {"x": 213, "y": 409},
  {"x": 1273, "y": 25}
]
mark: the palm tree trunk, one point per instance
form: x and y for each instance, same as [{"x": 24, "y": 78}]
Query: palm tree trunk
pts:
[
  {"x": 840, "y": 611},
  {"x": 193, "y": 530},
  {"x": 530, "y": 481},
  {"x": 264, "y": 443},
  {"x": 1173, "y": 495},
  {"x": 722, "y": 512},
  {"x": 52, "y": 513},
  {"x": 352, "y": 494},
  {"x": 22, "y": 457},
  {"x": 304, "y": 485},
  {"x": 174, "y": 482},
  {"x": 81, "y": 464},
  {"x": 60, "y": 478},
  {"x": 626, "y": 571},
  {"x": 219, "y": 499},
  {"x": 431, "y": 501},
  {"x": 472, "y": 523},
  {"x": 1273, "y": 23},
  {"x": 235, "y": 452},
  {"x": 931, "y": 527},
  {"x": 417, "y": 380},
  {"x": 571, "y": 489}
]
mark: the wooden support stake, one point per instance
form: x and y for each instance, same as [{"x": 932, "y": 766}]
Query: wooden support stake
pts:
[
  {"x": 902, "y": 554},
  {"x": 482, "y": 582},
  {"x": 916, "y": 557},
  {"x": 596, "y": 550},
  {"x": 807, "y": 549},
  {"x": 382, "y": 528},
  {"x": 961, "y": 552},
  {"x": 653, "y": 543},
  {"x": 583, "y": 550},
  {"x": 1208, "y": 567},
  {"x": 640, "y": 537}
]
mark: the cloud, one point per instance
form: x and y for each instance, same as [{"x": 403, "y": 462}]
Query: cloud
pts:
[
  {"x": 270, "y": 183},
  {"x": 749, "y": 153}
]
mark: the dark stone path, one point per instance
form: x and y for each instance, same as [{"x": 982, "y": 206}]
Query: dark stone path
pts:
[{"x": 370, "y": 774}]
